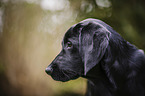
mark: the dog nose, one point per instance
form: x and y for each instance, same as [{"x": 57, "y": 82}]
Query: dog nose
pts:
[{"x": 49, "y": 70}]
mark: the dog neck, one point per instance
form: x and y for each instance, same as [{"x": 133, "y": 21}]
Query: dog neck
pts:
[
  {"x": 114, "y": 72},
  {"x": 97, "y": 74}
]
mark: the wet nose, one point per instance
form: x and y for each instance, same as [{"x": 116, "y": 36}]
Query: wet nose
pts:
[{"x": 49, "y": 70}]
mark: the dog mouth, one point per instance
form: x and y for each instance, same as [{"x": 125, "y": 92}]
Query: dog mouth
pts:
[{"x": 64, "y": 75}]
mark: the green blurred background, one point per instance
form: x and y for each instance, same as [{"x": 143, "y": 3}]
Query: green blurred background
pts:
[{"x": 31, "y": 32}]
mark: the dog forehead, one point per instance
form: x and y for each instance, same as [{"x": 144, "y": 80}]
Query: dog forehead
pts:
[
  {"x": 69, "y": 35},
  {"x": 76, "y": 29},
  {"x": 73, "y": 32},
  {"x": 96, "y": 22}
]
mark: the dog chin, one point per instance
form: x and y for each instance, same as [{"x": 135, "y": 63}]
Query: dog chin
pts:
[
  {"x": 61, "y": 79},
  {"x": 65, "y": 79}
]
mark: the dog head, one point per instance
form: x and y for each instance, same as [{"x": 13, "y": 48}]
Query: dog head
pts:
[{"x": 83, "y": 46}]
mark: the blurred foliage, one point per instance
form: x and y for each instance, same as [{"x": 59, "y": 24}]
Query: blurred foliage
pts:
[{"x": 31, "y": 32}]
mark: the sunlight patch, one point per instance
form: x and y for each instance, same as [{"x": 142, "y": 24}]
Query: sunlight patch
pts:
[
  {"x": 103, "y": 3},
  {"x": 54, "y": 5}
]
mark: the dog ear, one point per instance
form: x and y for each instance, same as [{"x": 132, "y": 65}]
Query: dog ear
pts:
[{"x": 93, "y": 43}]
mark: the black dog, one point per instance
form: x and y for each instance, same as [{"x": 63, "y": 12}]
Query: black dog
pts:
[{"x": 93, "y": 50}]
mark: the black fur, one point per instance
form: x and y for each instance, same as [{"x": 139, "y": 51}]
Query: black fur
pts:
[{"x": 93, "y": 50}]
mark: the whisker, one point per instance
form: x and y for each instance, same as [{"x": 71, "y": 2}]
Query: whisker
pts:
[
  {"x": 65, "y": 74},
  {"x": 71, "y": 71}
]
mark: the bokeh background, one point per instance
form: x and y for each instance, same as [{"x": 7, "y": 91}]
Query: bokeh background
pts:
[{"x": 31, "y": 32}]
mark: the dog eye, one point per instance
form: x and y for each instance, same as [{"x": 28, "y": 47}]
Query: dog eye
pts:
[{"x": 69, "y": 44}]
